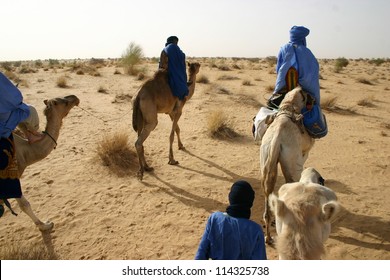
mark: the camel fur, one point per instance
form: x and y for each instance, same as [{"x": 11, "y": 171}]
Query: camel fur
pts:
[
  {"x": 286, "y": 142},
  {"x": 303, "y": 212},
  {"x": 155, "y": 97},
  {"x": 27, "y": 154}
]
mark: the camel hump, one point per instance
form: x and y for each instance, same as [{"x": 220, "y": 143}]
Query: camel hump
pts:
[{"x": 161, "y": 74}]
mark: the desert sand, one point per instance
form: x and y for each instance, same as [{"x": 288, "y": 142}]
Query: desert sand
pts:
[{"x": 99, "y": 213}]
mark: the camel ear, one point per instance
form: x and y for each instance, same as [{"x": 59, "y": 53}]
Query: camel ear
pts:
[
  {"x": 329, "y": 210},
  {"x": 277, "y": 205},
  {"x": 45, "y": 101},
  {"x": 188, "y": 64}
]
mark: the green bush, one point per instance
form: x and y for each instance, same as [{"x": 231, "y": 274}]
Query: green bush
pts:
[
  {"x": 131, "y": 57},
  {"x": 340, "y": 63}
]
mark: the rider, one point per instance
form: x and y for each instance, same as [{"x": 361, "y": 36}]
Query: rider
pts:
[
  {"x": 296, "y": 65},
  {"x": 173, "y": 59}
]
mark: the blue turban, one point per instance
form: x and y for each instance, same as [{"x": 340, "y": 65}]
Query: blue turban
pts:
[{"x": 298, "y": 35}]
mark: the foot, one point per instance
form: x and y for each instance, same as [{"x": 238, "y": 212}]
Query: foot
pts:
[{"x": 48, "y": 226}]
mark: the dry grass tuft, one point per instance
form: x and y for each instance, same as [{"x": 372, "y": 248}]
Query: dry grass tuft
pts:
[
  {"x": 364, "y": 81},
  {"x": 329, "y": 102},
  {"x": 218, "y": 126},
  {"x": 19, "y": 252},
  {"x": 116, "y": 153},
  {"x": 202, "y": 79},
  {"x": 62, "y": 82},
  {"x": 366, "y": 102}
]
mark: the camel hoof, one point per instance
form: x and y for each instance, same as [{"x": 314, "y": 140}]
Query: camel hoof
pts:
[
  {"x": 140, "y": 175},
  {"x": 182, "y": 147},
  {"x": 48, "y": 226},
  {"x": 173, "y": 162}
]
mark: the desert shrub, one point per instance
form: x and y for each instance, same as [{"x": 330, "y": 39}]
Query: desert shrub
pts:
[
  {"x": 102, "y": 89},
  {"x": 116, "y": 153},
  {"x": 377, "y": 61},
  {"x": 62, "y": 82},
  {"x": 366, "y": 102},
  {"x": 218, "y": 126},
  {"x": 328, "y": 102},
  {"x": 270, "y": 88},
  {"x": 227, "y": 78},
  {"x": 364, "y": 81},
  {"x": 246, "y": 83},
  {"x": 20, "y": 252},
  {"x": 117, "y": 72},
  {"x": 271, "y": 60},
  {"x": 131, "y": 57},
  {"x": 340, "y": 63},
  {"x": 202, "y": 79},
  {"x": 6, "y": 66}
]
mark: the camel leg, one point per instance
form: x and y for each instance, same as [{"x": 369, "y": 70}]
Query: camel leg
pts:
[
  {"x": 143, "y": 166},
  {"x": 268, "y": 182},
  {"x": 175, "y": 116},
  {"x": 26, "y": 208}
]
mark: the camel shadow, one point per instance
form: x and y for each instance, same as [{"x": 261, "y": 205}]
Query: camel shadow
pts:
[
  {"x": 374, "y": 227},
  {"x": 186, "y": 197}
]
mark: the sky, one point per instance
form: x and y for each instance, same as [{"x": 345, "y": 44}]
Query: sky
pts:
[{"x": 72, "y": 29}]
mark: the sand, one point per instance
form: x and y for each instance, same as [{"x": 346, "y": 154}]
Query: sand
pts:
[{"x": 100, "y": 214}]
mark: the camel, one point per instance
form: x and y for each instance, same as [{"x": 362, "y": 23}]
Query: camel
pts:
[
  {"x": 287, "y": 142},
  {"x": 155, "y": 97},
  {"x": 27, "y": 154},
  {"x": 304, "y": 212}
]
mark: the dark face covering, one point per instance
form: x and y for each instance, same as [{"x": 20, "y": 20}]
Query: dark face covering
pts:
[{"x": 241, "y": 198}]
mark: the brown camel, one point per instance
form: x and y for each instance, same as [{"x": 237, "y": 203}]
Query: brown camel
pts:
[
  {"x": 286, "y": 142},
  {"x": 27, "y": 154},
  {"x": 155, "y": 97},
  {"x": 304, "y": 212}
]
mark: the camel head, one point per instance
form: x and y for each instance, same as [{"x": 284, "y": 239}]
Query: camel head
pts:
[
  {"x": 193, "y": 68},
  {"x": 60, "y": 107},
  {"x": 296, "y": 99},
  {"x": 303, "y": 211}
]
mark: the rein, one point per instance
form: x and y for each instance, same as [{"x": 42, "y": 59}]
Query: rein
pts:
[
  {"x": 100, "y": 118},
  {"x": 54, "y": 140}
]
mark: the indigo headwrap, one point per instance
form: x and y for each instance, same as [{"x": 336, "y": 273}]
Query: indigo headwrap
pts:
[{"x": 241, "y": 198}]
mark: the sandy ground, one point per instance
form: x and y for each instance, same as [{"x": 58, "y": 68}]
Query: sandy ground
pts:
[{"x": 99, "y": 214}]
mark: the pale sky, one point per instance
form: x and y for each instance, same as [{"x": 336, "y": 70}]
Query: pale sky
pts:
[{"x": 71, "y": 29}]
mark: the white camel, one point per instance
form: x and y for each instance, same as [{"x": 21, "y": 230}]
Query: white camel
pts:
[
  {"x": 303, "y": 213},
  {"x": 286, "y": 142},
  {"x": 27, "y": 154}
]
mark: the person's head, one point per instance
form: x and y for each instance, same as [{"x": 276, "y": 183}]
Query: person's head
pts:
[
  {"x": 298, "y": 35},
  {"x": 241, "y": 199},
  {"x": 172, "y": 40}
]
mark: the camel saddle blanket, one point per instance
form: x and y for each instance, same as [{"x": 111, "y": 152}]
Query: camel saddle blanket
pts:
[
  {"x": 261, "y": 122},
  {"x": 9, "y": 175},
  {"x": 315, "y": 122}
]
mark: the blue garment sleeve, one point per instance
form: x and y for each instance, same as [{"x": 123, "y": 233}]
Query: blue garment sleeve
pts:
[{"x": 203, "y": 252}]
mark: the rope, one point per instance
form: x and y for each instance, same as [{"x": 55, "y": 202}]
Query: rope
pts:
[{"x": 100, "y": 118}]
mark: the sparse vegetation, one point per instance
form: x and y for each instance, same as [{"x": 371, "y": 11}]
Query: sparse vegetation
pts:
[
  {"x": 202, "y": 79},
  {"x": 366, "y": 102},
  {"x": 328, "y": 102},
  {"x": 62, "y": 82},
  {"x": 247, "y": 83},
  {"x": 20, "y": 252},
  {"x": 116, "y": 153},
  {"x": 364, "y": 81},
  {"x": 340, "y": 63},
  {"x": 218, "y": 126},
  {"x": 131, "y": 57}
]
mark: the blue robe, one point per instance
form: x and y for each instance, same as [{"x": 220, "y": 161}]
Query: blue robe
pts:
[
  {"x": 229, "y": 238},
  {"x": 177, "y": 71},
  {"x": 12, "y": 108},
  {"x": 302, "y": 59}
]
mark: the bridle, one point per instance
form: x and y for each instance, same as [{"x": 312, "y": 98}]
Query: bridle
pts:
[{"x": 51, "y": 137}]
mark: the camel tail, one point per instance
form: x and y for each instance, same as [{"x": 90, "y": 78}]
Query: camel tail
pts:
[{"x": 137, "y": 115}]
